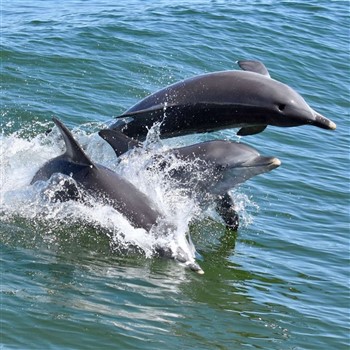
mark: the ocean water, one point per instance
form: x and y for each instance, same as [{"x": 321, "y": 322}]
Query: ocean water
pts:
[{"x": 69, "y": 279}]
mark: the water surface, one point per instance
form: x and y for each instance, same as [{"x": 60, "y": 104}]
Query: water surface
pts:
[{"x": 280, "y": 282}]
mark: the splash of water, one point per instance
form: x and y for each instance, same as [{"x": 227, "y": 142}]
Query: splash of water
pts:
[{"x": 21, "y": 157}]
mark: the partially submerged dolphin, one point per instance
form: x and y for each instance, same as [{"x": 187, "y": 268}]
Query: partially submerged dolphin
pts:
[
  {"x": 211, "y": 167},
  {"x": 248, "y": 99},
  {"x": 230, "y": 164},
  {"x": 109, "y": 187}
]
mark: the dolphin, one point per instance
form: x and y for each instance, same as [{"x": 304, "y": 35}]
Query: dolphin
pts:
[
  {"x": 230, "y": 164},
  {"x": 211, "y": 167},
  {"x": 249, "y": 99},
  {"x": 106, "y": 185}
]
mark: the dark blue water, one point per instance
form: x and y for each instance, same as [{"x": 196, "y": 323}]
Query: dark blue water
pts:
[{"x": 280, "y": 282}]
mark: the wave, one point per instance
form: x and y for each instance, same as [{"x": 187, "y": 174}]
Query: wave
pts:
[{"x": 22, "y": 155}]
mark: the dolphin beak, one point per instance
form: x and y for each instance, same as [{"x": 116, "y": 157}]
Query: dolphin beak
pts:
[
  {"x": 267, "y": 162},
  {"x": 275, "y": 162},
  {"x": 323, "y": 122},
  {"x": 181, "y": 257},
  {"x": 195, "y": 267}
]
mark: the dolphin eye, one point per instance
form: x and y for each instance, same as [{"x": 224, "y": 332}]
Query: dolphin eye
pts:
[{"x": 281, "y": 107}]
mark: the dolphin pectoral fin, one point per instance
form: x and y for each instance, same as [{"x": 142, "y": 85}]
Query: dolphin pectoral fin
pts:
[
  {"x": 119, "y": 142},
  {"x": 254, "y": 66},
  {"x": 73, "y": 150},
  {"x": 251, "y": 130},
  {"x": 226, "y": 209}
]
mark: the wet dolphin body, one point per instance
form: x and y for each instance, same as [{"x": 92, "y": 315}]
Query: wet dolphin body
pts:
[
  {"x": 108, "y": 186},
  {"x": 248, "y": 99},
  {"x": 221, "y": 165},
  {"x": 230, "y": 164}
]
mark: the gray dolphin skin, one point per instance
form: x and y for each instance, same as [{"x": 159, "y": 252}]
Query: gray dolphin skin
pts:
[
  {"x": 221, "y": 166},
  {"x": 248, "y": 99},
  {"x": 108, "y": 186},
  {"x": 231, "y": 163},
  {"x": 212, "y": 167}
]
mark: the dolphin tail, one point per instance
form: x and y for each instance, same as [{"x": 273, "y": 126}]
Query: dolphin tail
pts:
[
  {"x": 119, "y": 142},
  {"x": 73, "y": 149}
]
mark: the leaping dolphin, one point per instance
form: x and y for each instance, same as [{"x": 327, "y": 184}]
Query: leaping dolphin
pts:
[
  {"x": 211, "y": 167},
  {"x": 106, "y": 185},
  {"x": 249, "y": 99}
]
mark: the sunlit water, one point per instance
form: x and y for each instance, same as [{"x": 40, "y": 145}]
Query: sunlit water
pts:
[{"x": 78, "y": 275}]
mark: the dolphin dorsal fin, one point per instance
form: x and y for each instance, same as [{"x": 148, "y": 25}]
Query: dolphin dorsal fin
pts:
[
  {"x": 254, "y": 66},
  {"x": 119, "y": 142},
  {"x": 73, "y": 149}
]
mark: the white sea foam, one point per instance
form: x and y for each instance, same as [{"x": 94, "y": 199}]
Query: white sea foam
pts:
[{"x": 22, "y": 157}]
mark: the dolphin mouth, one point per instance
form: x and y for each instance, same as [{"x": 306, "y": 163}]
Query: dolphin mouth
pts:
[
  {"x": 268, "y": 162},
  {"x": 195, "y": 267},
  {"x": 323, "y": 122},
  {"x": 181, "y": 257},
  {"x": 273, "y": 162}
]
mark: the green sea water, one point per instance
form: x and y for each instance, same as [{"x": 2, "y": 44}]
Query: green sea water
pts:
[{"x": 280, "y": 282}]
